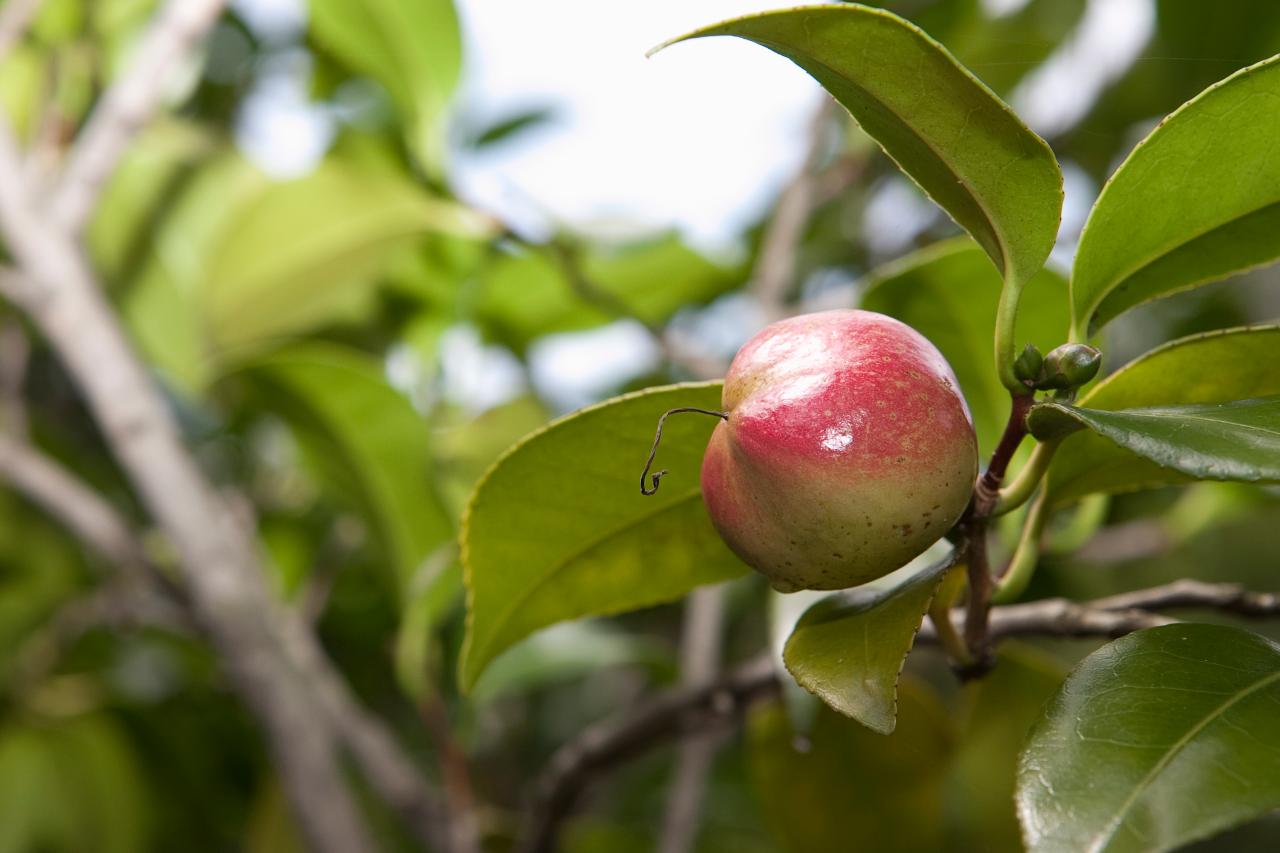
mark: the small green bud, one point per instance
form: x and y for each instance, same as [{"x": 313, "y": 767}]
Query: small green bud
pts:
[
  {"x": 1027, "y": 366},
  {"x": 1069, "y": 366}
]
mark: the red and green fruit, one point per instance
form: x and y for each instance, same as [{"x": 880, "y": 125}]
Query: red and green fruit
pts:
[{"x": 848, "y": 450}]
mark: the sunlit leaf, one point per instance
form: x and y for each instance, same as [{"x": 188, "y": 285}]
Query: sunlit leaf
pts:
[
  {"x": 530, "y": 293},
  {"x": 941, "y": 125},
  {"x": 412, "y": 47},
  {"x": 1157, "y": 739},
  {"x": 135, "y": 199},
  {"x": 558, "y": 529},
  {"x": 1197, "y": 200},
  {"x": 241, "y": 264},
  {"x": 339, "y": 399},
  {"x": 300, "y": 252}
]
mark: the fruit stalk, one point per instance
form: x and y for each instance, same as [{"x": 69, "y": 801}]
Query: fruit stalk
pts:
[{"x": 986, "y": 493}]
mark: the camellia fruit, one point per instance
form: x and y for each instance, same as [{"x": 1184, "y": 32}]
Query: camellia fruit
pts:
[{"x": 847, "y": 450}]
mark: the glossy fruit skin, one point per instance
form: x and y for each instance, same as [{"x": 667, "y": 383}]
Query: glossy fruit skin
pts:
[{"x": 847, "y": 452}]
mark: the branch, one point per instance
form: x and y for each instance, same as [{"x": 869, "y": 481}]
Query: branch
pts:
[
  {"x": 218, "y": 556},
  {"x": 593, "y": 293},
  {"x": 127, "y": 106},
  {"x": 807, "y": 190},
  {"x": 611, "y": 742},
  {"x": 679, "y": 711},
  {"x": 1188, "y": 593},
  {"x": 15, "y": 17},
  {"x": 700, "y": 652},
  {"x": 15, "y": 353},
  {"x": 120, "y": 604},
  {"x": 80, "y": 509}
]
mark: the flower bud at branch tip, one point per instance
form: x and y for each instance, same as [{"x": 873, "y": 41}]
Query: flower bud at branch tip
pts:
[{"x": 1069, "y": 366}]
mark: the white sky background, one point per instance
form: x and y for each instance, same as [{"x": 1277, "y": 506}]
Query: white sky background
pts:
[{"x": 700, "y": 137}]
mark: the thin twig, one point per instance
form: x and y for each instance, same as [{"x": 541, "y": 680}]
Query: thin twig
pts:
[
  {"x": 219, "y": 559},
  {"x": 119, "y": 604},
  {"x": 809, "y": 188},
  {"x": 61, "y": 494},
  {"x": 15, "y": 17},
  {"x": 700, "y": 651},
  {"x": 677, "y": 712},
  {"x": 568, "y": 257},
  {"x": 608, "y": 743},
  {"x": 985, "y": 497},
  {"x": 15, "y": 353},
  {"x": 127, "y": 106},
  {"x": 464, "y": 835}
]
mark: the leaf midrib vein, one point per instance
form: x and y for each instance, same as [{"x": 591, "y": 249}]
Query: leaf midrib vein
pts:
[
  {"x": 553, "y": 570},
  {"x": 1109, "y": 830}
]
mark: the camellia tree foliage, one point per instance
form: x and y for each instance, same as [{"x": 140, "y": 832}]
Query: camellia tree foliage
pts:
[{"x": 266, "y": 583}]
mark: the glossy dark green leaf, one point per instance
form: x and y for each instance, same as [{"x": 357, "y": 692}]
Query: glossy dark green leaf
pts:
[
  {"x": 1212, "y": 368},
  {"x": 1197, "y": 200},
  {"x": 412, "y": 47},
  {"x": 942, "y": 126},
  {"x": 848, "y": 649},
  {"x": 1213, "y": 441},
  {"x": 558, "y": 528},
  {"x": 339, "y": 400},
  {"x": 1155, "y": 740},
  {"x": 844, "y": 787},
  {"x": 949, "y": 293}
]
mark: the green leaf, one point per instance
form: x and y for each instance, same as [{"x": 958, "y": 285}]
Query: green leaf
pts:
[
  {"x": 1160, "y": 738},
  {"x": 949, "y": 293},
  {"x": 558, "y": 528},
  {"x": 849, "y": 648},
  {"x": 71, "y": 785},
  {"x": 1214, "y": 441},
  {"x": 412, "y": 47},
  {"x": 135, "y": 198},
  {"x": 844, "y": 787},
  {"x": 162, "y": 306},
  {"x": 339, "y": 400},
  {"x": 1197, "y": 200},
  {"x": 943, "y": 127},
  {"x": 241, "y": 264},
  {"x": 526, "y": 295},
  {"x": 1211, "y": 368},
  {"x": 298, "y": 254}
]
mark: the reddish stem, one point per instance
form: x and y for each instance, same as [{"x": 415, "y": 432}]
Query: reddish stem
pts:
[{"x": 985, "y": 494}]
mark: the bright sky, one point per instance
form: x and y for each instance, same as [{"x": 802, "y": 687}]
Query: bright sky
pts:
[{"x": 700, "y": 137}]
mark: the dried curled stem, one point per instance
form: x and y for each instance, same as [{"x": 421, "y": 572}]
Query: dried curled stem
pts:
[{"x": 657, "y": 439}]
